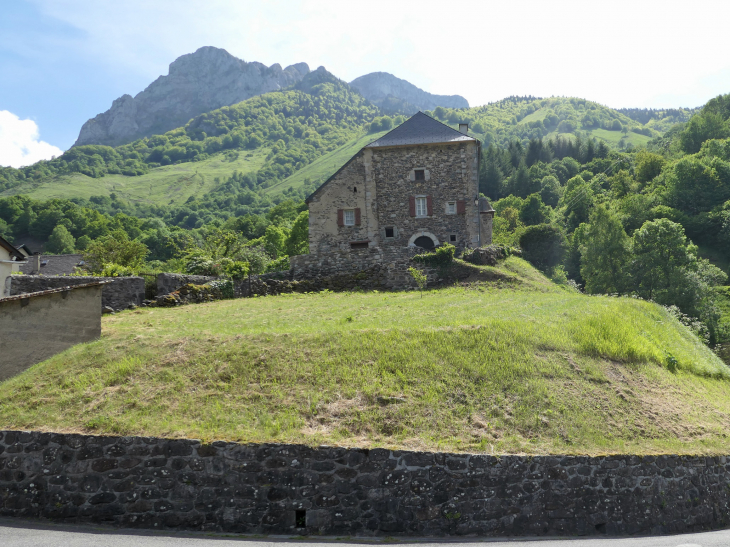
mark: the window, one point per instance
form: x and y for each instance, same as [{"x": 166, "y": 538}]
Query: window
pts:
[
  {"x": 349, "y": 217},
  {"x": 358, "y": 245},
  {"x": 450, "y": 207},
  {"x": 421, "y": 207},
  {"x": 420, "y": 174},
  {"x": 452, "y": 238},
  {"x": 389, "y": 231}
]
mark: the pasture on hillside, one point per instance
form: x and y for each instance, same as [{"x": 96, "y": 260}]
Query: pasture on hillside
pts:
[{"x": 512, "y": 365}]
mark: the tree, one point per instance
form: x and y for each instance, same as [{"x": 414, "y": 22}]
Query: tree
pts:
[
  {"x": 648, "y": 165},
  {"x": 298, "y": 241},
  {"x": 550, "y": 191},
  {"x": 605, "y": 253},
  {"x": 61, "y": 241},
  {"x": 115, "y": 248},
  {"x": 534, "y": 211},
  {"x": 543, "y": 245},
  {"x": 275, "y": 240}
]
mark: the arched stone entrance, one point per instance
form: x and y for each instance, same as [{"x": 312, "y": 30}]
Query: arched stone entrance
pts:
[{"x": 424, "y": 240}]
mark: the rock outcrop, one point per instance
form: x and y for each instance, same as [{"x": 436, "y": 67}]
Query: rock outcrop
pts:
[
  {"x": 197, "y": 82},
  {"x": 393, "y": 95}
]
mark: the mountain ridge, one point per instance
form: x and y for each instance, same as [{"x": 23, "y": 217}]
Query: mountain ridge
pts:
[{"x": 198, "y": 82}]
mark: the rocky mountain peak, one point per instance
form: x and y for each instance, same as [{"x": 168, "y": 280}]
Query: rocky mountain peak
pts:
[
  {"x": 393, "y": 94},
  {"x": 197, "y": 82}
]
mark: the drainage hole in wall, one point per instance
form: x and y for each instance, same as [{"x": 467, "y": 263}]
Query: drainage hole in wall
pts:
[
  {"x": 601, "y": 528},
  {"x": 301, "y": 518}
]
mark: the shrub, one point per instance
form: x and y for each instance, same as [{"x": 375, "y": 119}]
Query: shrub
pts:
[
  {"x": 543, "y": 245},
  {"x": 115, "y": 270},
  {"x": 441, "y": 257}
]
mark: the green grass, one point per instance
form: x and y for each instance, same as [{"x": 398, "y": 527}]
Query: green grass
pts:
[
  {"x": 169, "y": 184},
  {"x": 325, "y": 166},
  {"x": 613, "y": 137},
  {"x": 512, "y": 365}
]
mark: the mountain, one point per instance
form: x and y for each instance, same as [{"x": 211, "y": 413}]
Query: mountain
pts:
[
  {"x": 394, "y": 95},
  {"x": 198, "y": 82}
]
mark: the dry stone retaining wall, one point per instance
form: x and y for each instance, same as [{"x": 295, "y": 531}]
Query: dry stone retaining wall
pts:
[
  {"x": 170, "y": 282},
  {"x": 119, "y": 293},
  {"x": 291, "y": 489}
]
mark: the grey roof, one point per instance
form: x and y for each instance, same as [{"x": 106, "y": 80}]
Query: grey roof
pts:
[
  {"x": 5, "y": 244},
  {"x": 420, "y": 129},
  {"x": 52, "y": 265}
]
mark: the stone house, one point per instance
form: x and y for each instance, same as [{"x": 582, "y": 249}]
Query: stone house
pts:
[
  {"x": 41, "y": 264},
  {"x": 416, "y": 186},
  {"x": 10, "y": 260}
]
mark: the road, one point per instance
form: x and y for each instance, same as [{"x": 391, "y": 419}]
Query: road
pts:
[{"x": 14, "y": 533}]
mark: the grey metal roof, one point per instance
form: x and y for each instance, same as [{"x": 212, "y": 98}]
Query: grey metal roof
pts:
[
  {"x": 52, "y": 264},
  {"x": 420, "y": 129}
]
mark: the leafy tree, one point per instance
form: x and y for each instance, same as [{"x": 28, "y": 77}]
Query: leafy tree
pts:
[
  {"x": 61, "y": 241},
  {"x": 275, "y": 240},
  {"x": 648, "y": 165},
  {"x": 605, "y": 253},
  {"x": 82, "y": 243},
  {"x": 550, "y": 191},
  {"x": 543, "y": 245},
  {"x": 534, "y": 211},
  {"x": 297, "y": 242},
  {"x": 577, "y": 201},
  {"x": 115, "y": 248}
]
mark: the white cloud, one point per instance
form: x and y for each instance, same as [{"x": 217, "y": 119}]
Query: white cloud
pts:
[{"x": 20, "y": 142}]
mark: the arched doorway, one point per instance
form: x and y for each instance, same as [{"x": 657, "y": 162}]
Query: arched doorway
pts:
[{"x": 424, "y": 242}]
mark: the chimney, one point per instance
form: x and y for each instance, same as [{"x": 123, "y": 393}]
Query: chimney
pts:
[{"x": 464, "y": 128}]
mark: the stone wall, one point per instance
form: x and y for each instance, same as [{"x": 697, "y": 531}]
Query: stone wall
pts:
[
  {"x": 289, "y": 489},
  {"x": 170, "y": 282},
  {"x": 118, "y": 294},
  {"x": 38, "y": 326}
]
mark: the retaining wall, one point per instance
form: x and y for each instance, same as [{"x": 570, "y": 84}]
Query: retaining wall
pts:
[
  {"x": 291, "y": 489},
  {"x": 170, "y": 282},
  {"x": 119, "y": 293}
]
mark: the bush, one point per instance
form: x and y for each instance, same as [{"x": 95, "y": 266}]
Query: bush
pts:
[
  {"x": 115, "y": 270},
  {"x": 543, "y": 245},
  {"x": 441, "y": 257}
]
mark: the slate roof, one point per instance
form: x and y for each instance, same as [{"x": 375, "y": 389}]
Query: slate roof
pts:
[
  {"x": 52, "y": 265},
  {"x": 5, "y": 244},
  {"x": 420, "y": 129}
]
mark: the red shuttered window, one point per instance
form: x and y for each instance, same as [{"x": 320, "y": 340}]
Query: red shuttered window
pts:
[
  {"x": 461, "y": 207},
  {"x": 340, "y": 217}
]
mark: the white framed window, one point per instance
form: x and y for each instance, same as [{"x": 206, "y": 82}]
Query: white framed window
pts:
[
  {"x": 421, "y": 207},
  {"x": 450, "y": 207},
  {"x": 349, "y": 217}
]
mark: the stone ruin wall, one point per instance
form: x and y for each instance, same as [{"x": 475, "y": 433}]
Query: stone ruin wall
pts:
[
  {"x": 141, "y": 482},
  {"x": 119, "y": 294}
]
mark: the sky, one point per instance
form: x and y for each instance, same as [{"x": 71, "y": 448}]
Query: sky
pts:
[{"x": 64, "y": 61}]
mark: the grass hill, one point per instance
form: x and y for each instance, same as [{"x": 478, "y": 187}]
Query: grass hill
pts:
[{"x": 513, "y": 365}]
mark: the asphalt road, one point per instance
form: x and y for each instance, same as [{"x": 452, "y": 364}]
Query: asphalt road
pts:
[{"x": 15, "y": 533}]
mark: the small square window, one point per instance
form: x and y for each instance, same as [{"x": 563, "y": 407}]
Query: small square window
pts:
[
  {"x": 421, "y": 207},
  {"x": 452, "y": 238},
  {"x": 420, "y": 174},
  {"x": 349, "y": 217},
  {"x": 451, "y": 208},
  {"x": 389, "y": 231}
]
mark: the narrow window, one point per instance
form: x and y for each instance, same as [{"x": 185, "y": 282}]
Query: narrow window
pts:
[
  {"x": 451, "y": 208},
  {"x": 301, "y": 518},
  {"x": 389, "y": 231},
  {"x": 420, "y": 174},
  {"x": 421, "y": 207},
  {"x": 358, "y": 245},
  {"x": 349, "y": 217},
  {"x": 354, "y": 189},
  {"x": 452, "y": 238}
]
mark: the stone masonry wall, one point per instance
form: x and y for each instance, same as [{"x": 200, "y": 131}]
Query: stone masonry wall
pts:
[
  {"x": 451, "y": 176},
  {"x": 170, "y": 282},
  {"x": 289, "y": 489},
  {"x": 118, "y": 294}
]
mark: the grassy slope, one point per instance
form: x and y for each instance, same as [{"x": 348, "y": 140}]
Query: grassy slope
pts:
[
  {"x": 169, "y": 184},
  {"x": 516, "y": 365},
  {"x": 322, "y": 168}
]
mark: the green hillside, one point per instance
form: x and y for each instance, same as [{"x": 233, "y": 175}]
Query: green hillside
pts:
[
  {"x": 513, "y": 366},
  {"x": 289, "y": 142}
]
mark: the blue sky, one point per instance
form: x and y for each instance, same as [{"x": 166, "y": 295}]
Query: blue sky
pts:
[{"x": 64, "y": 61}]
